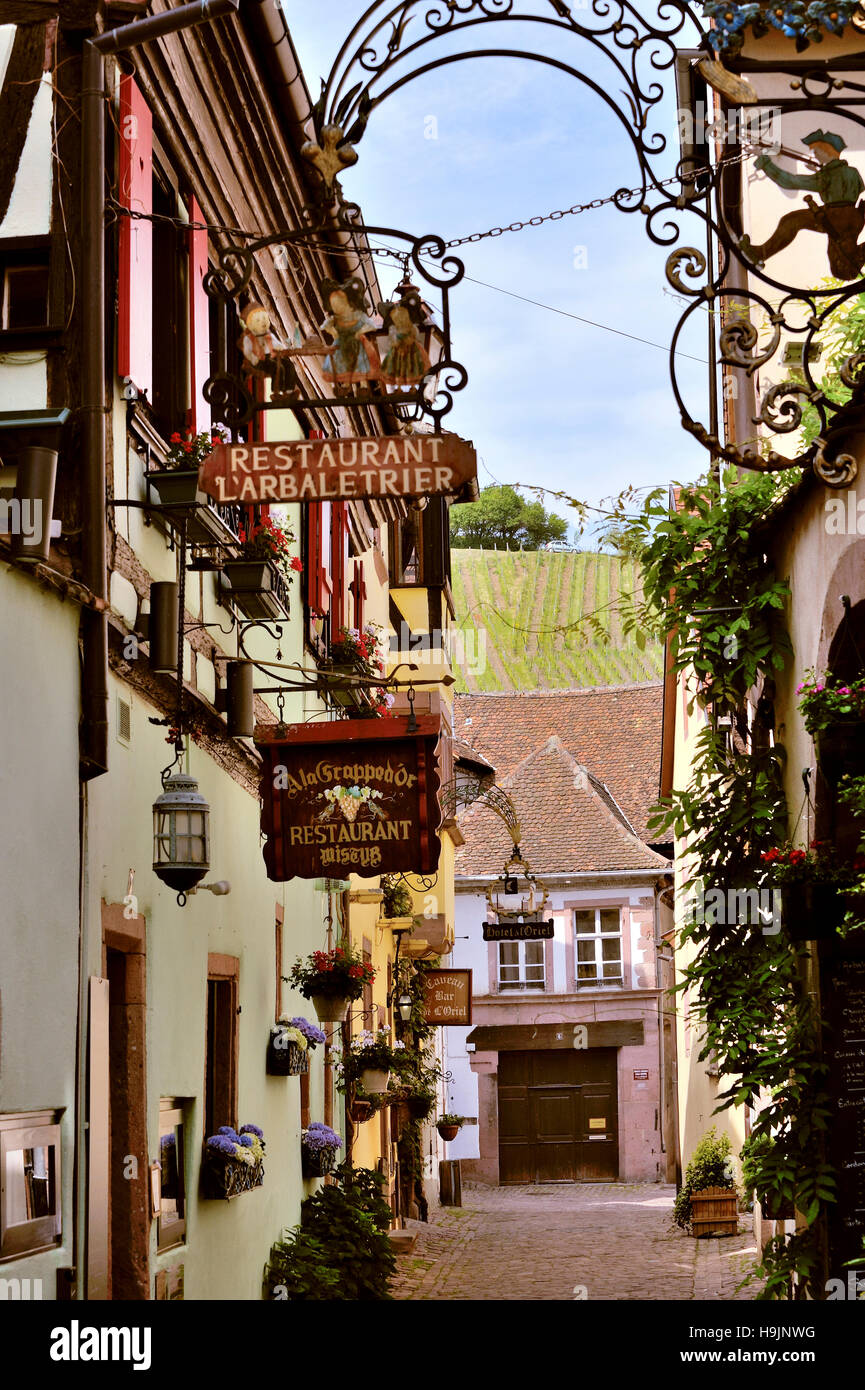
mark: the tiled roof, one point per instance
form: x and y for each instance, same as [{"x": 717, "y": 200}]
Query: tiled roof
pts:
[
  {"x": 569, "y": 823},
  {"x": 614, "y": 731}
]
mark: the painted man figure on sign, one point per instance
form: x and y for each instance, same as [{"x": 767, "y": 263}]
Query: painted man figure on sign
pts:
[{"x": 841, "y": 217}]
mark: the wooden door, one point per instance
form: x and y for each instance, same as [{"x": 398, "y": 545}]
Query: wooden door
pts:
[{"x": 558, "y": 1116}]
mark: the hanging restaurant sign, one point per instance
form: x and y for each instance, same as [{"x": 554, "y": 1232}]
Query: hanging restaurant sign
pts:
[
  {"x": 314, "y": 470},
  {"x": 447, "y": 996},
  {"x": 354, "y": 796},
  {"x": 519, "y": 931}
]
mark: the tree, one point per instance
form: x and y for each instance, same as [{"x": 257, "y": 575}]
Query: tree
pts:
[{"x": 501, "y": 518}]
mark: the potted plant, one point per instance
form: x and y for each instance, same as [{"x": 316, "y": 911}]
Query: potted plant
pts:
[
  {"x": 773, "y": 1191},
  {"x": 176, "y": 484},
  {"x": 233, "y": 1162},
  {"x": 708, "y": 1200},
  {"x": 834, "y": 713},
  {"x": 813, "y": 886},
  {"x": 370, "y": 1059},
  {"x": 265, "y": 549},
  {"x": 290, "y": 1043},
  {"x": 360, "y": 652},
  {"x": 319, "y": 1146},
  {"x": 449, "y": 1126},
  {"x": 331, "y": 979},
  {"x": 396, "y": 900}
]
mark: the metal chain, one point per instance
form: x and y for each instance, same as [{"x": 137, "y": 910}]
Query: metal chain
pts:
[
  {"x": 119, "y": 211},
  {"x": 595, "y": 203}
]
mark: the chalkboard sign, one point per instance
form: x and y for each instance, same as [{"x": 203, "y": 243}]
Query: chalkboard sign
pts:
[{"x": 843, "y": 991}]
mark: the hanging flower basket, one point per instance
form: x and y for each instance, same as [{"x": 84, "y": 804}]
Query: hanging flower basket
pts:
[
  {"x": 448, "y": 1132},
  {"x": 361, "y": 1110},
  {"x": 841, "y": 749},
  {"x": 374, "y": 1082},
  {"x": 812, "y": 911},
  {"x": 233, "y": 1162},
  {"x": 330, "y": 1008},
  {"x": 776, "y": 1208},
  {"x": 420, "y": 1106}
]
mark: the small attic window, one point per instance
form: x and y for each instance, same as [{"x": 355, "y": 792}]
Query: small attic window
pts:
[{"x": 24, "y": 284}]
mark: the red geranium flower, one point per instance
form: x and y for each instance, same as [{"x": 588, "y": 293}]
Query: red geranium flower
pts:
[{"x": 296, "y": 563}]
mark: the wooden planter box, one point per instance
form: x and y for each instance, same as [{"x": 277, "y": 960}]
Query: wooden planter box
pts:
[
  {"x": 224, "y": 1178},
  {"x": 360, "y": 1111},
  {"x": 714, "y": 1212},
  {"x": 841, "y": 749},
  {"x": 286, "y": 1061},
  {"x": 400, "y": 1116}
]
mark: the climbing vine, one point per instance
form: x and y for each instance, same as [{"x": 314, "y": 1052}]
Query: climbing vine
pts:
[{"x": 709, "y": 587}]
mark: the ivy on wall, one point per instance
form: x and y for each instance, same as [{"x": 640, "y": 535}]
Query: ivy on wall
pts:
[{"x": 708, "y": 583}]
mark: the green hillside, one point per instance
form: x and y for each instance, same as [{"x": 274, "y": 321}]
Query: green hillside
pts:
[{"x": 507, "y": 602}]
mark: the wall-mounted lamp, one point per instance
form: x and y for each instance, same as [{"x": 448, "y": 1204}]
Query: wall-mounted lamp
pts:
[
  {"x": 404, "y": 1004},
  {"x": 162, "y": 627},
  {"x": 219, "y": 889}
]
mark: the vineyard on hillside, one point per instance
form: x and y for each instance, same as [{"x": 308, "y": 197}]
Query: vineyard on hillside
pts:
[{"x": 508, "y": 602}]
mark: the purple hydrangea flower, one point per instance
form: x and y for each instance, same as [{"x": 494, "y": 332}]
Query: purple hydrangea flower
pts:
[
  {"x": 220, "y": 1143},
  {"x": 310, "y": 1032},
  {"x": 246, "y": 1140},
  {"x": 228, "y": 1132},
  {"x": 252, "y": 1129}
]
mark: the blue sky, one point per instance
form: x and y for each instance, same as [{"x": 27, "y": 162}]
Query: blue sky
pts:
[{"x": 550, "y": 400}]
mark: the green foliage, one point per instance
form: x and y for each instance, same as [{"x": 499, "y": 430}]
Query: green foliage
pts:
[
  {"x": 710, "y": 1166},
  {"x": 708, "y": 583},
  {"x": 341, "y": 1250},
  {"x": 396, "y": 900},
  {"x": 502, "y": 518},
  {"x": 842, "y": 335}
]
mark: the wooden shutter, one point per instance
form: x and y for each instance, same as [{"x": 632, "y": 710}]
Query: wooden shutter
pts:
[
  {"x": 318, "y": 532},
  {"x": 135, "y": 251},
  {"x": 358, "y": 589},
  {"x": 199, "y": 323},
  {"x": 339, "y": 565}
]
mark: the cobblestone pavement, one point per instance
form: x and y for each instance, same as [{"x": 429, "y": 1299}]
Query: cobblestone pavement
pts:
[{"x": 612, "y": 1240}]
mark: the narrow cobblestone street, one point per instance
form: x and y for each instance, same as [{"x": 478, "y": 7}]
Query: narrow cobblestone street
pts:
[{"x": 591, "y": 1241}]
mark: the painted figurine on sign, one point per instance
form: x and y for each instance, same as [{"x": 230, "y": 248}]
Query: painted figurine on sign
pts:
[
  {"x": 262, "y": 350},
  {"x": 406, "y": 360},
  {"x": 353, "y": 356},
  {"x": 841, "y": 217}
]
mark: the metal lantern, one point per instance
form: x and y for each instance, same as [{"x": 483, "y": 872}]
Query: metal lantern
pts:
[
  {"x": 404, "y": 1005},
  {"x": 181, "y": 834}
]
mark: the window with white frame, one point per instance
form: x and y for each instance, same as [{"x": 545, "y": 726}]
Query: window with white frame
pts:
[
  {"x": 521, "y": 965},
  {"x": 598, "y": 934}
]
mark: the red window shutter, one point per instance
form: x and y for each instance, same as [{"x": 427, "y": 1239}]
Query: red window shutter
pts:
[
  {"x": 358, "y": 589},
  {"x": 339, "y": 564},
  {"x": 199, "y": 323},
  {"x": 318, "y": 588},
  {"x": 135, "y": 293}
]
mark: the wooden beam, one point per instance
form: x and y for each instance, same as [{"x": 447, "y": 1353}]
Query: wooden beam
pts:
[
  {"x": 544, "y": 1037},
  {"x": 20, "y": 85}
]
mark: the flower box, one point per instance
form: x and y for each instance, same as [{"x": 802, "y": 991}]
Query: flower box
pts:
[
  {"x": 319, "y": 1145},
  {"x": 317, "y": 1165},
  {"x": 176, "y": 487},
  {"x": 286, "y": 1059},
  {"x": 251, "y": 584},
  {"x": 224, "y": 1178},
  {"x": 714, "y": 1212}
]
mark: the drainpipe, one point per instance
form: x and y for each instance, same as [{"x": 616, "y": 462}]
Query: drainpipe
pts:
[{"x": 94, "y": 736}]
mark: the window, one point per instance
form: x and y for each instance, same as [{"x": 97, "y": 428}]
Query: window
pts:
[
  {"x": 171, "y": 1224},
  {"x": 521, "y": 965},
  {"x": 170, "y": 365},
  {"x": 220, "y": 1098},
  {"x": 30, "y": 1211},
  {"x": 599, "y": 946},
  {"x": 24, "y": 283}
]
